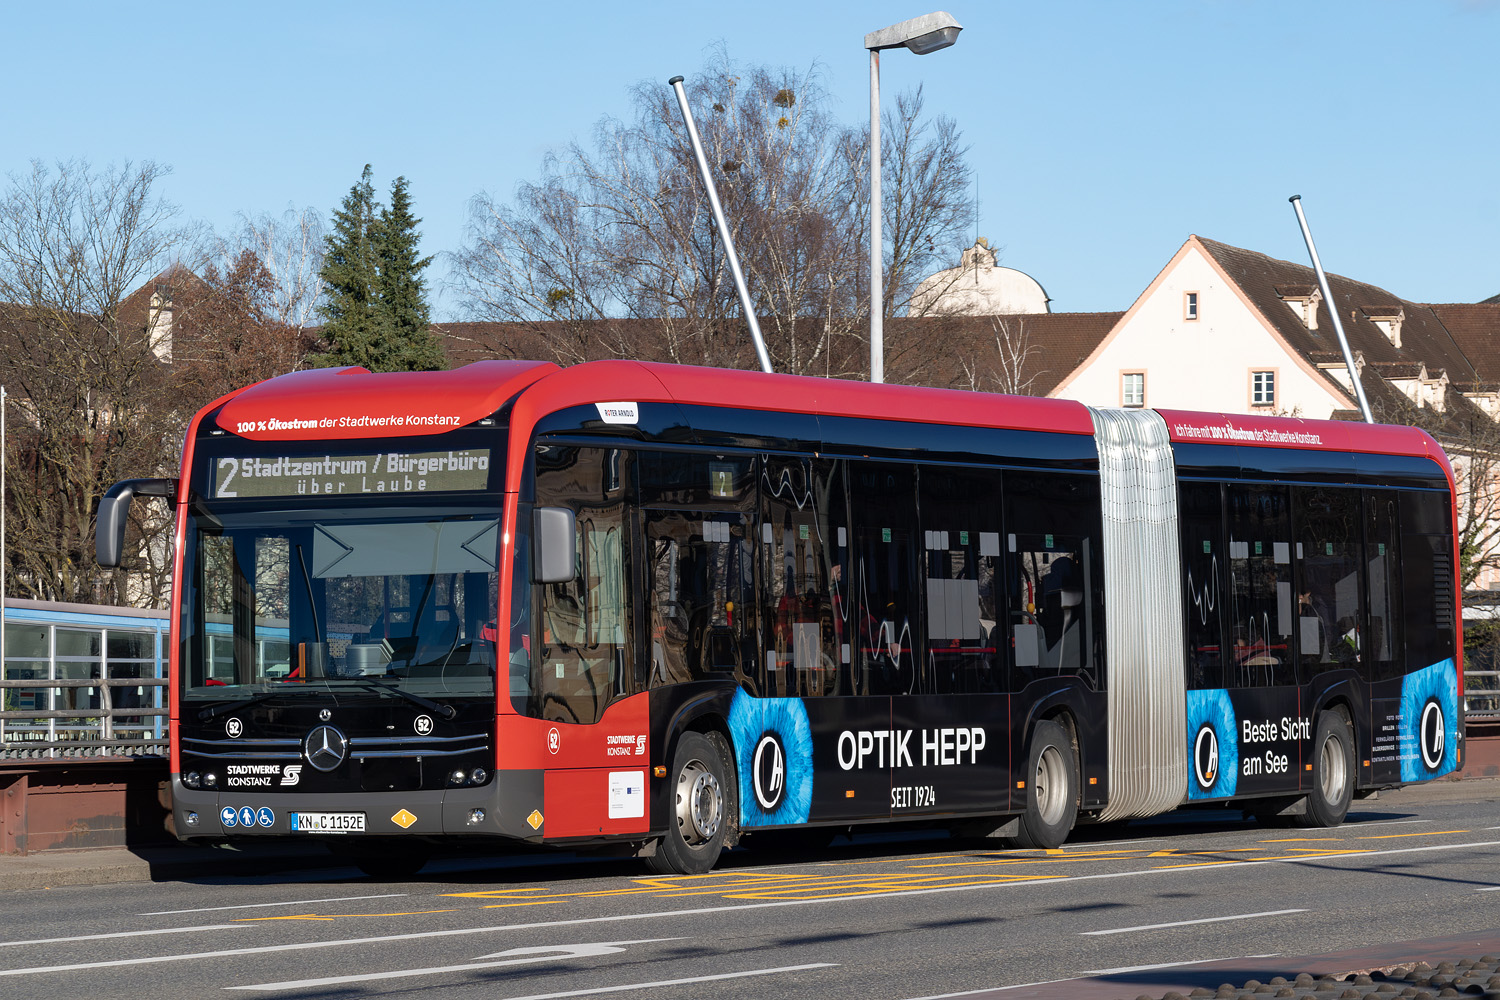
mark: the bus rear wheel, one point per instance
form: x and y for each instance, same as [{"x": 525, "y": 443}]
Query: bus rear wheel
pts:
[
  {"x": 1332, "y": 771},
  {"x": 698, "y": 818},
  {"x": 1051, "y": 788}
]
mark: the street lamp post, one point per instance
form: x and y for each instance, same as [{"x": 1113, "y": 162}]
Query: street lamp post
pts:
[{"x": 921, "y": 35}]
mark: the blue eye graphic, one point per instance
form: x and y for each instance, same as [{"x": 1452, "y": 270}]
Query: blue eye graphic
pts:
[
  {"x": 773, "y": 753},
  {"x": 1429, "y": 722},
  {"x": 1213, "y": 750}
]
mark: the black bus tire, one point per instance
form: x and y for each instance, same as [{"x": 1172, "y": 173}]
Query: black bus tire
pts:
[
  {"x": 1332, "y": 771},
  {"x": 1051, "y": 777},
  {"x": 697, "y": 809}
]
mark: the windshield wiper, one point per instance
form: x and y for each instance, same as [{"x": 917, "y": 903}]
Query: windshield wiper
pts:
[
  {"x": 446, "y": 711},
  {"x": 255, "y": 699}
]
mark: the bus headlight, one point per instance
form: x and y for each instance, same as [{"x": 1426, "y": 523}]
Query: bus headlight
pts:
[
  {"x": 192, "y": 779},
  {"x": 478, "y": 776},
  {"x": 457, "y": 778},
  {"x": 476, "y": 816},
  {"x": 210, "y": 780}
]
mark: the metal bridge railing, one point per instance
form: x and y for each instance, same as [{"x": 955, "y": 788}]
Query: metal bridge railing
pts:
[
  {"x": 104, "y": 730},
  {"x": 1482, "y": 694}
]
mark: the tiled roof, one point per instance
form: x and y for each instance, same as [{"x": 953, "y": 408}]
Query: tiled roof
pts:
[
  {"x": 1476, "y": 328},
  {"x": 1424, "y": 339}
]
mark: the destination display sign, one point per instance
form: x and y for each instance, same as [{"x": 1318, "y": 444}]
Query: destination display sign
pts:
[{"x": 325, "y": 475}]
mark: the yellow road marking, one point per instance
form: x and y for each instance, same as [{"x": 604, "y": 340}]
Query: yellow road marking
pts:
[
  {"x": 1298, "y": 840},
  {"x": 529, "y": 902},
  {"x": 344, "y": 916}
]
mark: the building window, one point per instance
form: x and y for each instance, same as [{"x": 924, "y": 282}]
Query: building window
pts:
[
  {"x": 1133, "y": 389},
  {"x": 1263, "y": 388},
  {"x": 1190, "y": 305}
]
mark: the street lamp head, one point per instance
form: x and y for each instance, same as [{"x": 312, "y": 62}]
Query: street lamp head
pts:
[{"x": 921, "y": 35}]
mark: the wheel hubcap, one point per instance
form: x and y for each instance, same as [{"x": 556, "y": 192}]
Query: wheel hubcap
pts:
[
  {"x": 700, "y": 803},
  {"x": 1050, "y": 784},
  {"x": 1334, "y": 774}
]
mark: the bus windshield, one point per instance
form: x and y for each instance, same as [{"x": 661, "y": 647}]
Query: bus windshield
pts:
[{"x": 340, "y": 600}]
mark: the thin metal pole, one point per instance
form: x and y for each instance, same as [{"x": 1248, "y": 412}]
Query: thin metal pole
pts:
[
  {"x": 1333, "y": 310},
  {"x": 713, "y": 202},
  {"x": 877, "y": 254}
]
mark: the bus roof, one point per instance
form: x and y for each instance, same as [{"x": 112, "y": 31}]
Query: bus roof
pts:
[{"x": 327, "y": 403}]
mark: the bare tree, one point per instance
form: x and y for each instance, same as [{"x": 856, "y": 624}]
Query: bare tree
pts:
[
  {"x": 622, "y": 231},
  {"x": 290, "y": 249},
  {"x": 90, "y": 400}
]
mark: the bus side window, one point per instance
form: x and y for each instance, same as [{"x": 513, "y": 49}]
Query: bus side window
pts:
[
  {"x": 1055, "y": 610},
  {"x": 1427, "y": 576},
  {"x": 1261, "y": 606},
  {"x": 1201, "y": 509},
  {"x": 698, "y": 568},
  {"x": 583, "y": 661},
  {"x": 1383, "y": 560},
  {"x": 888, "y": 627},
  {"x": 1330, "y": 604},
  {"x": 803, "y": 653},
  {"x": 961, "y": 531}
]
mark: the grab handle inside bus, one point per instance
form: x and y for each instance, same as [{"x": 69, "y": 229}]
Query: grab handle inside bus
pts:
[
  {"x": 109, "y": 528},
  {"x": 554, "y": 557}
]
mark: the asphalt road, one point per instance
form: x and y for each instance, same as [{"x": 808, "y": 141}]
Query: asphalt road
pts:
[{"x": 887, "y": 918}]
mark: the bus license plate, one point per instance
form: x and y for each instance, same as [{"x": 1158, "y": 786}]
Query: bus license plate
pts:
[{"x": 328, "y": 822}]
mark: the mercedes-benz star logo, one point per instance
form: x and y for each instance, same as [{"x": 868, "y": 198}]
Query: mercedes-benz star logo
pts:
[{"x": 325, "y": 748}]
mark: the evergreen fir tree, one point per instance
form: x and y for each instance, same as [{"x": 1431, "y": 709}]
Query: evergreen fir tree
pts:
[
  {"x": 350, "y": 272},
  {"x": 375, "y": 310},
  {"x": 402, "y": 290}
]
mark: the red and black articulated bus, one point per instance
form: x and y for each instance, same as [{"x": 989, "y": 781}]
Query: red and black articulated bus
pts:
[{"x": 657, "y": 609}]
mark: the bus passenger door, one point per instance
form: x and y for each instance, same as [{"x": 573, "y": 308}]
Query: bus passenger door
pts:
[{"x": 699, "y": 574}]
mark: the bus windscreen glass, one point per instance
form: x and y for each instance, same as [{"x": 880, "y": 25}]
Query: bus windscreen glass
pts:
[{"x": 402, "y": 599}]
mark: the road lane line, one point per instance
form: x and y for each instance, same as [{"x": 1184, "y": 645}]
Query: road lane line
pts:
[
  {"x": 1423, "y": 833},
  {"x": 510, "y": 957},
  {"x": 715, "y": 910},
  {"x": 251, "y": 906},
  {"x": 121, "y": 934},
  {"x": 623, "y": 988},
  {"x": 1489, "y": 888},
  {"x": 1186, "y": 923}
]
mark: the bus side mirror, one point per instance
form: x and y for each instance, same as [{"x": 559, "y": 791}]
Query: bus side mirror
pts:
[
  {"x": 554, "y": 556},
  {"x": 109, "y": 527}
]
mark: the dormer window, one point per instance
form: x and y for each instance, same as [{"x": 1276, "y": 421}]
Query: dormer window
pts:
[
  {"x": 1190, "y": 305},
  {"x": 1388, "y": 319},
  {"x": 1302, "y": 300}
]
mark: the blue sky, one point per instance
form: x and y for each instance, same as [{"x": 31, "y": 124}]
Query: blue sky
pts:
[{"x": 1102, "y": 134}]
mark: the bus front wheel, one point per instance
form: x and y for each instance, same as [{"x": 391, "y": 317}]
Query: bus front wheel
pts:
[
  {"x": 1332, "y": 771},
  {"x": 1051, "y": 788},
  {"x": 698, "y": 817}
]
